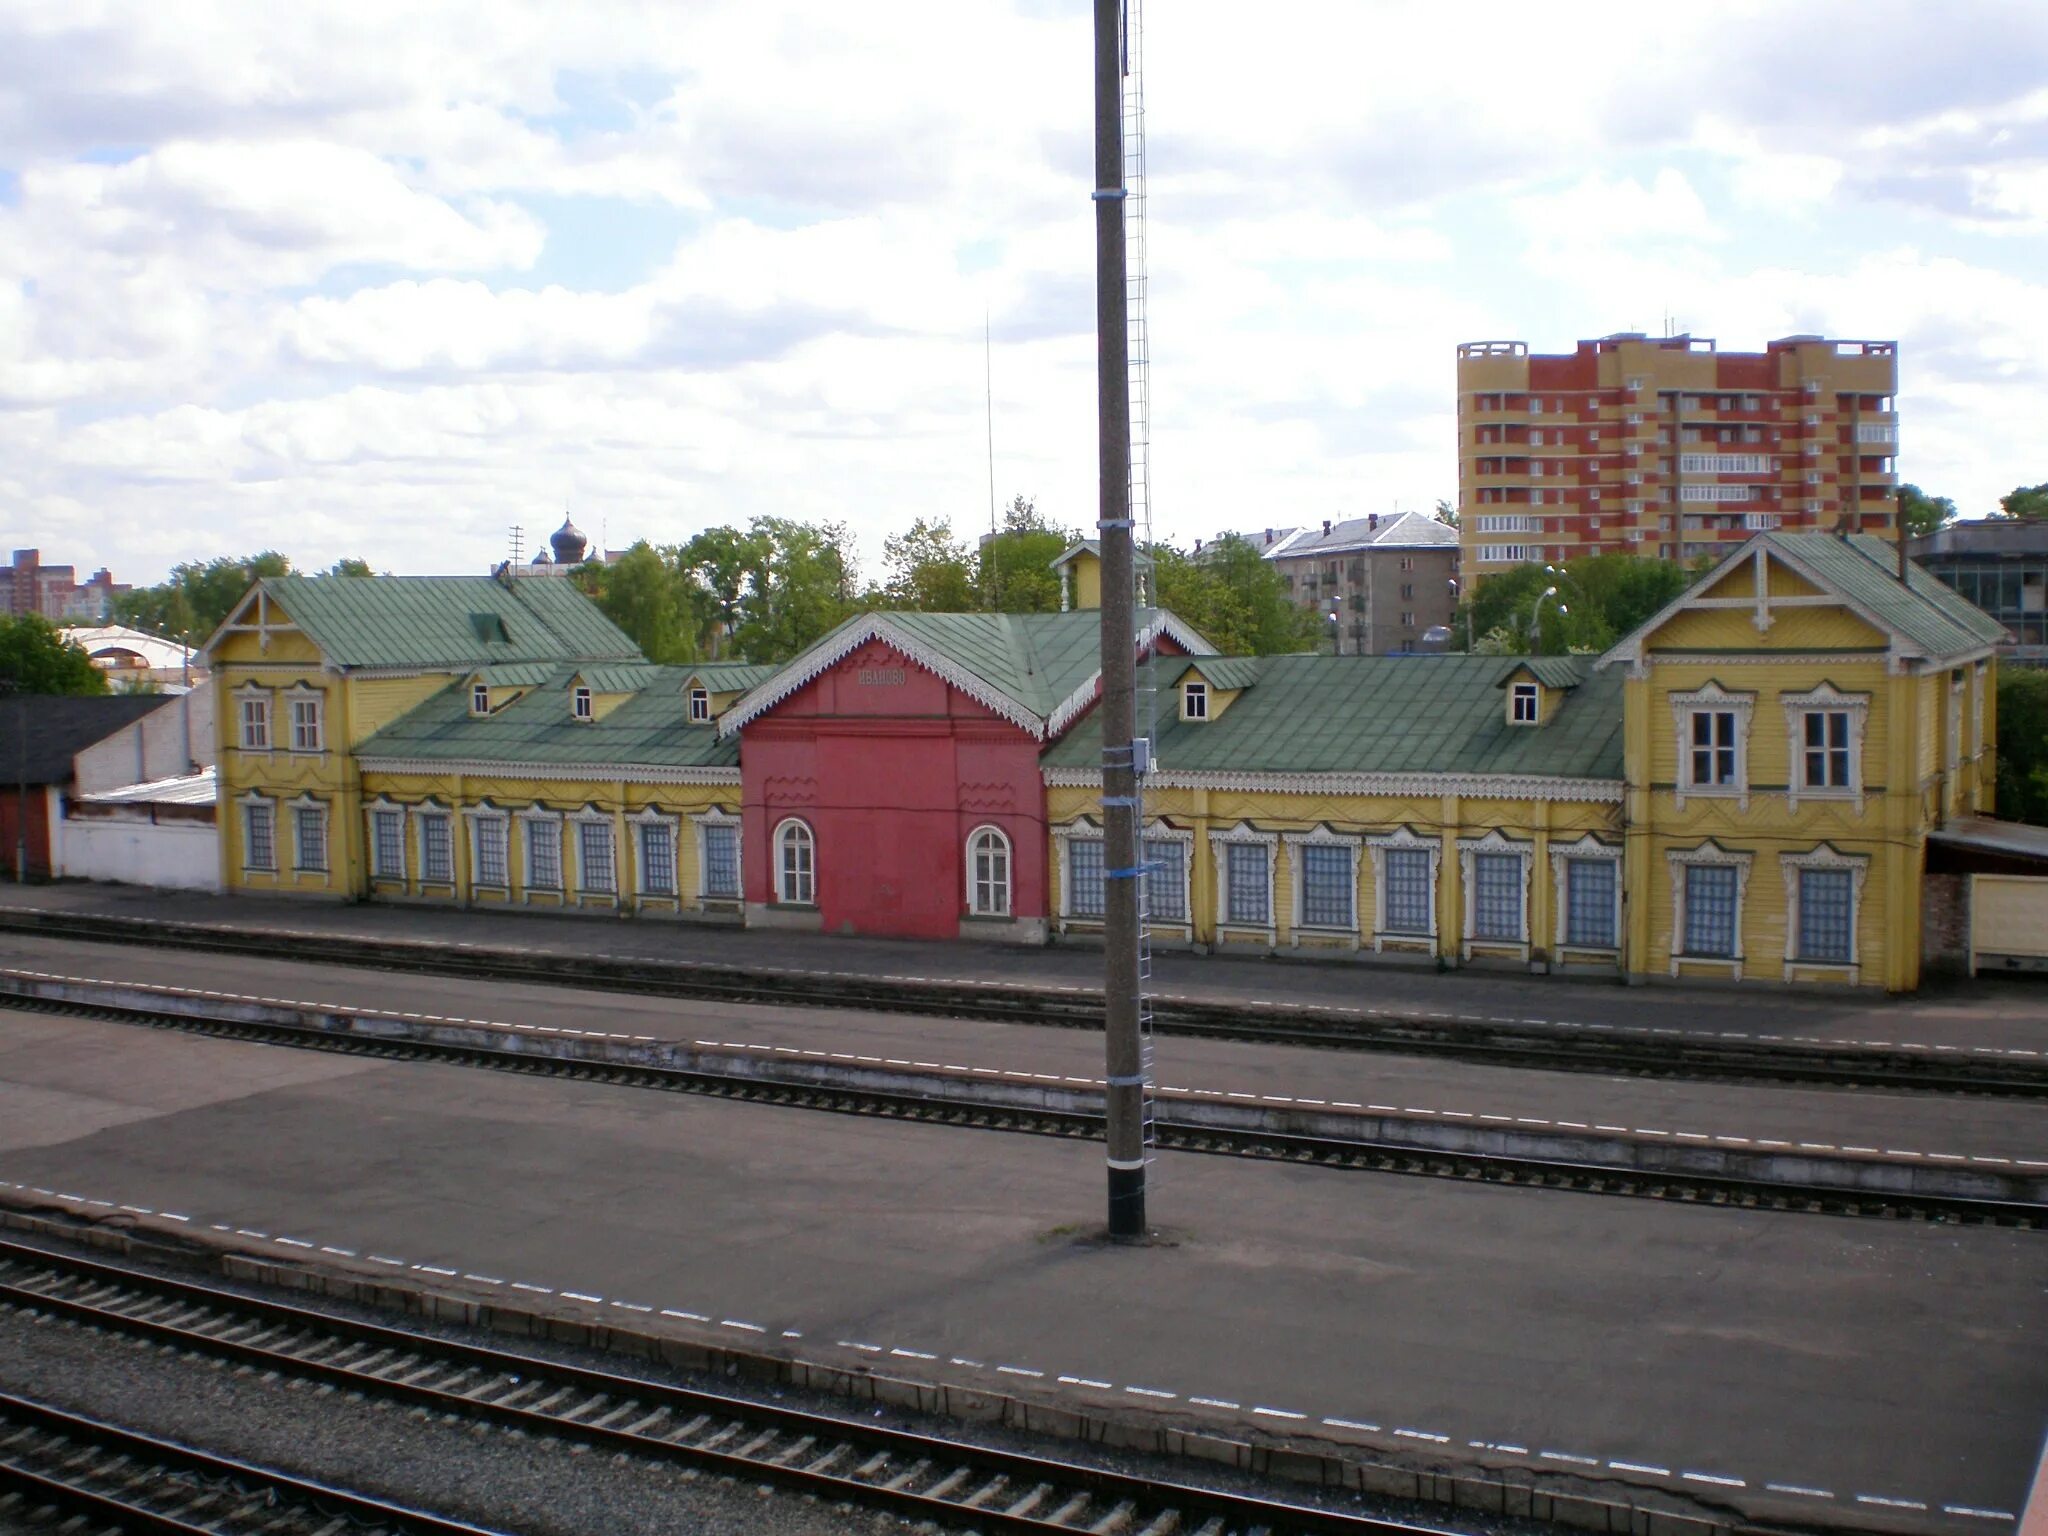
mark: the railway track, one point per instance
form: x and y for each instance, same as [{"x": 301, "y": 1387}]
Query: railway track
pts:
[
  {"x": 65, "y": 1472},
  {"x": 1329, "y": 1152},
  {"x": 917, "y": 1476},
  {"x": 1553, "y": 1046}
]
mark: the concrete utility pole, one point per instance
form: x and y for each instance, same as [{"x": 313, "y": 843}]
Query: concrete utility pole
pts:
[{"x": 1125, "y": 1093}]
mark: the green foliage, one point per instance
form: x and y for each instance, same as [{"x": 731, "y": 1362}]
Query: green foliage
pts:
[
  {"x": 349, "y": 568},
  {"x": 1599, "y": 598},
  {"x": 2023, "y": 744},
  {"x": 197, "y": 598},
  {"x": 1924, "y": 513},
  {"x": 929, "y": 570},
  {"x": 1234, "y": 598},
  {"x": 1445, "y": 513},
  {"x": 648, "y": 594},
  {"x": 2026, "y": 501},
  {"x": 36, "y": 658},
  {"x": 771, "y": 591},
  {"x": 1013, "y": 571}
]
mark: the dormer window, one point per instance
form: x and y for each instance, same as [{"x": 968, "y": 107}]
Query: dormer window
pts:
[
  {"x": 1523, "y": 702},
  {"x": 480, "y": 699},
  {"x": 700, "y": 705},
  {"x": 1194, "y": 701},
  {"x": 580, "y": 708}
]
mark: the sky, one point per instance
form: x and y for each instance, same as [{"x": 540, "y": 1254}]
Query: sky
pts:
[{"x": 385, "y": 280}]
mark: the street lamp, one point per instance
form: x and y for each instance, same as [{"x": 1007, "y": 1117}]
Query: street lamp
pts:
[
  {"x": 1452, "y": 583},
  {"x": 1536, "y": 619}
]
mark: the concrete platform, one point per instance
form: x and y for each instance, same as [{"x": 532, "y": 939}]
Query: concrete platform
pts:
[
  {"x": 1991, "y": 1014},
  {"x": 1882, "y": 1376},
  {"x": 2009, "y": 1137}
]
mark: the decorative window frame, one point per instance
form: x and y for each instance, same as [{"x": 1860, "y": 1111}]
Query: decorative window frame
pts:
[
  {"x": 718, "y": 816},
  {"x": 1160, "y": 832},
  {"x": 1711, "y": 699},
  {"x": 255, "y": 693},
  {"x": 1676, "y": 862},
  {"x": 1826, "y": 699},
  {"x": 696, "y": 696},
  {"x": 1824, "y": 856},
  {"x": 1495, "y": 841},
  {"x": 310, "y": 802},
  {"x": 1561, "y": 855},
  {"x": 1320, "y": 836},
  {"x": 1084, "y": 827},
  {"x": 1403, "y": 838},
  {"x": 636, "y": 823},
  {"x": 775, "y": 841},
  {"x": 585, "y": 815},
  {"x": 371, "y": 808},
  {"x": 1192, "y": 693},
  {"x": 1517, "y": 692},
  {"x": 473, "y": 816},
  {"x": 1244, "y": 834},
  {"x": 1009, "y": 872},
  {"x": 247, "y": 803},
  {"x": 304, "y": 693},
  {"x": 524, "y": 817},
  {"x": 419, "y": 814}
]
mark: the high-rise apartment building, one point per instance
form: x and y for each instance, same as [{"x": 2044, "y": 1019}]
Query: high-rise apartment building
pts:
[{"x": 1664, "y": 446}]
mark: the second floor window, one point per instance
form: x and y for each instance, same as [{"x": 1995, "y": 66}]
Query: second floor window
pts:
[
  {"x": 1827, "y": 750},
  {"x": 306, "y": 725},
  {"x": 255, "y": 714},
  {"x": 1713, "y": 749}
]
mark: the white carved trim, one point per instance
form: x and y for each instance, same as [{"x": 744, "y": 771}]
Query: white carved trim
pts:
[
  {"x": 545, "y": 773},
  {"x": 1470, "y": 786},
  {"x": 255, "y": 693},
  {"x": 584, "y": 815},
  {"x": 1160, "y": 832},
  {"x": 1824, "y": 699},
  {"x": 1469, "y": 849},
  {"x": 476, "y": 815},
  {"x": 301, "y": 692},
  {"x": 1243, "y": 835},
  {"x": 1823, "y": 856},
  {"x": 1561, "y": 855},
  {"x": 1063, "y": 834},
  {"x": 384, "y": 802},
  {"x": 1320, "y": 836},
  {"x": 1676, "y": 861},
  {"x": 248, "y": 802},
  {"x": 306, "y": 801},
  {"x": 1711, "y": 698},
  {"x": 719, "y": 816},
  {"x": 1071, "y": 707},
  {"x": 423, "y": 811},
  {"x": 1380, "y": 844}
]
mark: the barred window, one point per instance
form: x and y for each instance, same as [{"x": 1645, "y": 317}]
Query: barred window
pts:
[
  {"x": 1497, "y": 896},
  {"x": 1408, "y": 891},
  {"x": 1710, "y": 910},
  {"x": 490, "y": 850},
  {"x": 1713, "y": 748},
  {"x": 543, "y": 856},
  {"x": 309, "y": 823},
  {"x": 260, "y": 823},
  {"x": 1327, "y": 884},
  {"x": 988, "y": 878},
  {"x": 595, "y": 866},
  {"x": 1589, "y": 902},
  {"x": 657, "y": 860},
  {"x": 1827, "y": 749},
  {"x": 1084, "y": 877},
  {"x": 437, "y": 850},
  {"x": 387, "y": 844},
  {"x": 1826, "y": 914},
  {"x": 722, "y": 862},
  {"x": 1166, "y": 881},
  {"x": 1249, "y": 891}
]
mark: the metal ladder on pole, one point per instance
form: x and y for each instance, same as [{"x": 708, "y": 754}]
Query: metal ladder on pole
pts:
[{"x": 1138, "y": 341}]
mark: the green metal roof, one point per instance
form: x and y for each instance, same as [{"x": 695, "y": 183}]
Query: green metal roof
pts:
[
  {"x": 731, "y": 676},
  {"x": 448, "y": 621},
  {"x": 524, "y": 674},
  {"x": 1228, "y": 672},
  {"x": 1382, "y": 714},
  {"x": 630, "y": 678},
  {"x": 650, "y": 730},
  {"x": 1550, "y": 671},
  {"x": 1864, "y": 569}
]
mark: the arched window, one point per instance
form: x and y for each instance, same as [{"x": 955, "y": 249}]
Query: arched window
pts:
[
  {"x": 988, "y": 873},
  {"x": 795, "y": 864}
]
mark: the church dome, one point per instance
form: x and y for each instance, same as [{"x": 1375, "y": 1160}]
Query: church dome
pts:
[{"x": 569, "y": 544}]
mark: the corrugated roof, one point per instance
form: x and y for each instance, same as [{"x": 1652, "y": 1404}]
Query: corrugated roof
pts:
[
  {"x": 185, "y": 789},
  {"x": 1400, "y": 530},
  {"x": 523, "y": 674},
  {"x": 1229, "y": 671},
  {"x": 447, "y": 621},
  {"x": 621, "y": 679},
  {"x": 1863, "y": 568},
  {"x": 649, "y": 730},
  {"x": 1552, "y": 671},
  {"x": 731, "y": 676},
  {"x": 1382, "y": 714},
  {"x": 40, "y": 733}
]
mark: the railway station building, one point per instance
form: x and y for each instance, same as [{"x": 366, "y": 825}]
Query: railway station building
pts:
[{"x": 1742, "y": 789}]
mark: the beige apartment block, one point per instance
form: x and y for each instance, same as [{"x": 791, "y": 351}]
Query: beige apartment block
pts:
[{"x": 1669, "y": 448}]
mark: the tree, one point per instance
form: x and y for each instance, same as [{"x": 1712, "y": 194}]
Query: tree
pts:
[
  {"x": 1013, "y": 570},
  {"x": 36, "y": 658},
  {"x": 717, "y": 562},
  {"x": 1234, "y": 598},
  {"x": 349, "y": 568},
  {"x": 929, "y": 570},
  {"x": 2026, "y": 501},
  {"x": 1924, "y": 513},
  {"x": 798, "y": 586},
  {"x": 646, "y": 592},
  {"x": 2023, "y": 744},
  {"x": 1599, "y": 599},
  {"x": 197, "y": 598},
  {"x": 1445, "y": 513}
]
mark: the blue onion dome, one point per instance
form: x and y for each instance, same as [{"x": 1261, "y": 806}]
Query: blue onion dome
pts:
[{"x": 569, "y": 544}]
